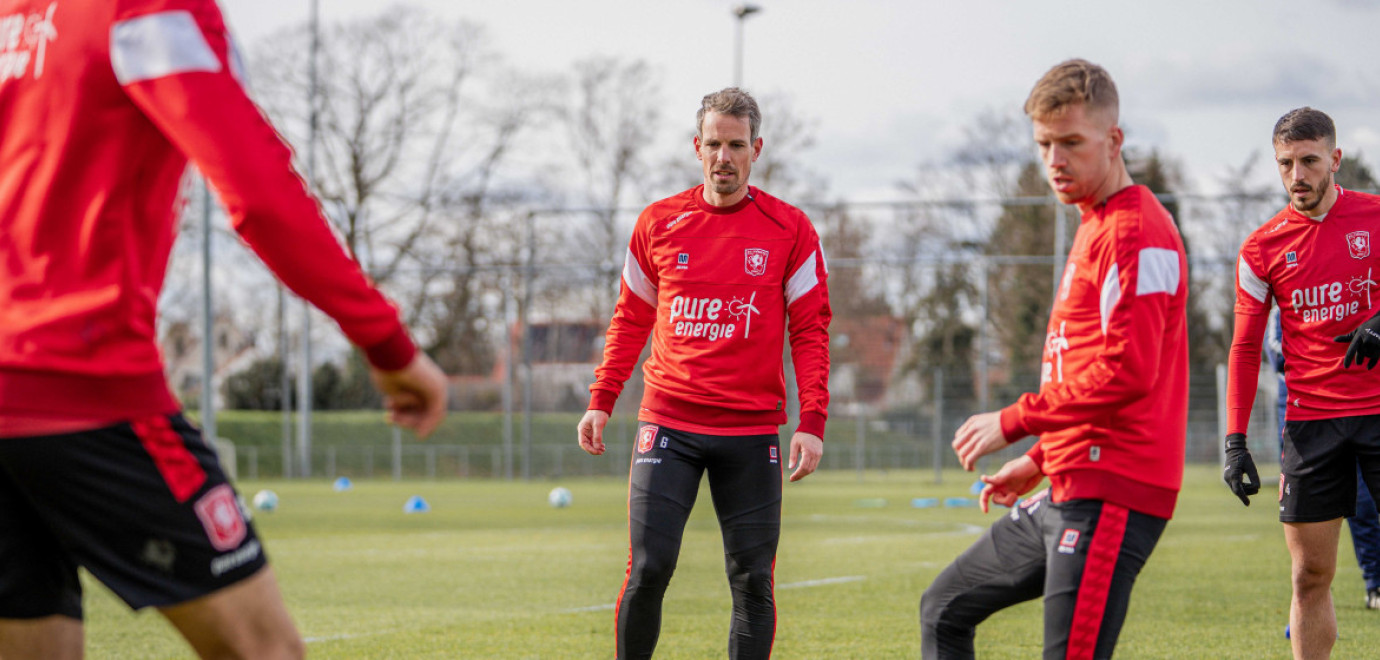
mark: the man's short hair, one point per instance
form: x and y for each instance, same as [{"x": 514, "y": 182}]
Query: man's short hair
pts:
[
  {"x": 730, "y": 101},
  {"x": 1305, "y": 124},
  {"x": 1070, "y": 83}
]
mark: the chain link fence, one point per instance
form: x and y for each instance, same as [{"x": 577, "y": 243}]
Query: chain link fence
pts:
[{"x": 939, "y": 313}]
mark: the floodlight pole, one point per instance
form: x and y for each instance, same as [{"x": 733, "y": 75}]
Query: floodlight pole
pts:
[
  {"x": 304, "y": 369},
  {"x": 208, "y": 368},
  {"x": 1060, "y": 242},
  {"x": 741, "y": 12},
  {"x": 285, "y": 380}
]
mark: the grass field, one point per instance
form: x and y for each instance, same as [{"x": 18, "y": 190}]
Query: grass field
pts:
[{"x": 493, "y": 572}]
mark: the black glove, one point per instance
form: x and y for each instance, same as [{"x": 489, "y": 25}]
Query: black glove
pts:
[
  {"x": 1365, "y": 344},
  {"x": 1240, "y": 464}
]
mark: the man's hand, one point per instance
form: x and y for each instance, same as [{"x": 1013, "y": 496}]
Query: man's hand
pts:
[
  {"x": 808, "y": 448},
  {"x": 414, "y": 396},
  {"x": 1018, "y": 477},
  {"x": 1239, "y": 465},
  {"x": 591, "y": 431},
  {"x": 978, "y": 437},
  {"x": 1365, "y": 344}
]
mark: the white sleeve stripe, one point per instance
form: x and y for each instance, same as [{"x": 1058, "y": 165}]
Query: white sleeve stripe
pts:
[
  {"x": 1111, "y": 293},
  {"x": 802, "y": 281},
  {"x": 1252, "y": 285},
  {"x": 637, "y": 281},
  {"x": 157, "y": 45},
  {"x": 1158, "y": 272}
]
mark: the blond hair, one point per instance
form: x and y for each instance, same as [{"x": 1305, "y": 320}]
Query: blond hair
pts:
[{"x": 1070, "y": 83}]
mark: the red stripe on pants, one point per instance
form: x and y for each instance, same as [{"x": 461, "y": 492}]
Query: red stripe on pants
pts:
[
  {"x": 180, "y": 469},
  {"x": 1097, "y": 581},
  {"x": 618, "y": 604}
]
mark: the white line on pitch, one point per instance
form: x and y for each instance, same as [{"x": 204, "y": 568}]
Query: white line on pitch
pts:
[
  {"x": 591, "y": 608},
  {"x": 332, "y": 638},
  {"x": 792, "y": 585},
  {"x": 819, "y": 583}
]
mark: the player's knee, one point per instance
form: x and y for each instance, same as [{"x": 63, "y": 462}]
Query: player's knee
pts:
[
  {"x": 751, "y": 572},
  {"x": 652, "y": 571},
  {"x": 753, "y": 581},
  {"x": 930, "y": 610},
  {"x": 1311, "y": 576}
]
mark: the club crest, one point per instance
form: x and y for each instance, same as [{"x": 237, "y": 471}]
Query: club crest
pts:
[
  {"x": 220, "y": 516},
  {"x": 755, "y": 261},
  {"x": 646, "y": 437},
  {"x": 1359, "y": 244}
]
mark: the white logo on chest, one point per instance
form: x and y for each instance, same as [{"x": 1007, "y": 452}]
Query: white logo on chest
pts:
[
  {"x": 24, "y": 39},
  {"x": 1055, "y": 345}
]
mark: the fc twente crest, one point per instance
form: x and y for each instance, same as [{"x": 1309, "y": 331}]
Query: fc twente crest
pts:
[
  {"x": 755, "y": 261},
  {"x": 1359, "y": 244}
]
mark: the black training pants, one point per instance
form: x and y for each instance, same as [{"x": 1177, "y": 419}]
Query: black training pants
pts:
[
  {"x": 1082, "y": 555},
  {"x": 745, "y": 483}
]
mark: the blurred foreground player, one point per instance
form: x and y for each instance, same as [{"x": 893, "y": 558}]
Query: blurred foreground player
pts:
[
  {"x": 1314, "y": 260},
  {"x": 102, "y": 103},
  {"x": 1111, "y": 412},
  {"x": 718, "y": 276}
]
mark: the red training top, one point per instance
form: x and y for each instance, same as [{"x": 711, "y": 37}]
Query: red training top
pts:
[
  {"x": 718, "y": 288},
  {"x": 1320, "y": 272},
  {"x": 1112, "y": 410},
  {"x": 102, "y": 103}
]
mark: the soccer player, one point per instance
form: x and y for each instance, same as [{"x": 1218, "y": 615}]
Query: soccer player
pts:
[
  {"x": 1111, "y": 413},
  {"x": 718, "y": 275},
  {"x": 103, "y": 102},
  {"x": 1314, "y": 260},
  {"x": 1365, "y": 522}
]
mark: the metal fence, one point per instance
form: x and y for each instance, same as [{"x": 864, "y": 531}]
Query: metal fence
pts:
[{"x": 903, "y": 276}]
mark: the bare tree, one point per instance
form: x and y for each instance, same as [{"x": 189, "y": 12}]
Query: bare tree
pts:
[
  {"x": 419, "y": 127},
  {"x": 391, "y": 97},
  {"x": 612, "y": 117}
]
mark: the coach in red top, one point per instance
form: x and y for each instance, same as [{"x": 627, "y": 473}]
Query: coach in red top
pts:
[
  {"x": 102, "y": 103},
  {"x": 718, "y": 276},
  {"x": 1314, "y": 260},
  {"x": 1111, "y": 412}
]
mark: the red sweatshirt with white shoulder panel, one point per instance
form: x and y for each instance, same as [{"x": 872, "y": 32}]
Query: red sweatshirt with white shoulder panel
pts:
[
  {"x": 1112, "y": 410},
  {"x": 102, "y": 103},
  {"x": 1321, "y": 272},
  {"x": 718, "y": 289}
]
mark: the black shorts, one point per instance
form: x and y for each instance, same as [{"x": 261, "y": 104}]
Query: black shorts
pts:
[
  {"x": 1318, "y": 466},
  {"x": 144, "y": 506}
]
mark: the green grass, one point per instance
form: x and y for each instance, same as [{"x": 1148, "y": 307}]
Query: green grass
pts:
[{"x": 493, "y": 572}]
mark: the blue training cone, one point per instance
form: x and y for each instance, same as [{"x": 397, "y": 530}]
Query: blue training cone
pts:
[
  {"x": 416, "y": 504},
  {"x": 925, "y": 502},
  {"x": 342, "y": 484},
  {"x": 959, "y": 502},
  {"x": 977, "y": 487}
]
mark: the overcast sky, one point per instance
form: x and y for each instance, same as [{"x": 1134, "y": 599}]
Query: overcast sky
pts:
[{"x": 890, "y": 83}]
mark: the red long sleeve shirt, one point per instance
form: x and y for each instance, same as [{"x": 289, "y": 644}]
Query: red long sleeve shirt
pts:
[
  {"x": 1112, "y": 410},
  {"x": 718, "y": 289},
  {"x": 102, "y": 103},
  {"x": 1321, "y": 273}
]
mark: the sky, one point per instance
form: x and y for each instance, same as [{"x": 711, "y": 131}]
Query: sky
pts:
[{"x": 890, "y": 85}]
